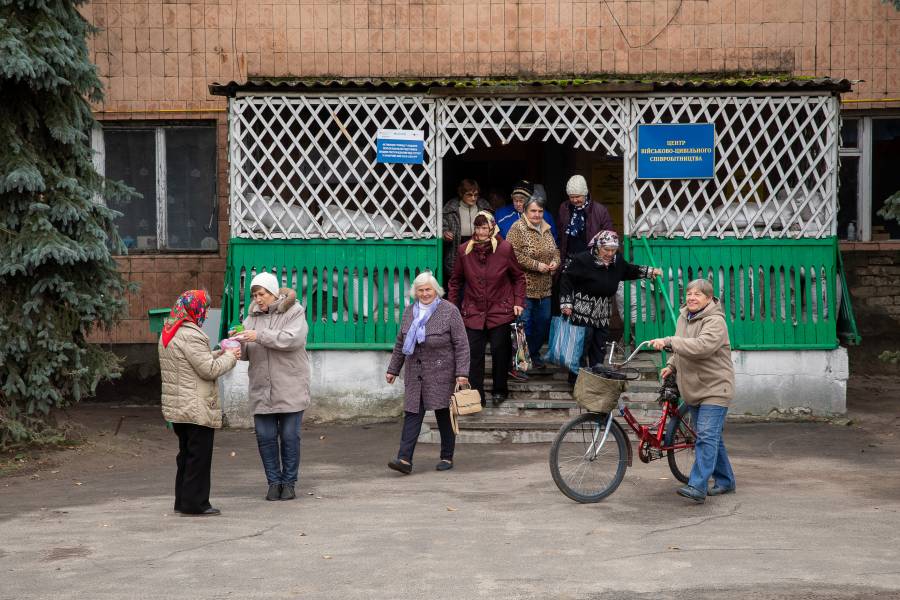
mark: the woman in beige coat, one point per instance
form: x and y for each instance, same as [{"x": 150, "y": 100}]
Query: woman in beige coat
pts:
[
  {"x": 274, "y": 341},
  {"x": 190, "y": 399}
]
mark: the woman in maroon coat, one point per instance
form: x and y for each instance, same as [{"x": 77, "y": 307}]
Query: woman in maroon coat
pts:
[{"x": 490, "y": 282}]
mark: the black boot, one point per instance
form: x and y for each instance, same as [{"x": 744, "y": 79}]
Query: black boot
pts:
[
  {"x": 287, "y": 491},
  {"x": 274, "y": 492}
]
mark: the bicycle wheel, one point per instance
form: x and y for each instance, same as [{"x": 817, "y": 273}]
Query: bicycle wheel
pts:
[
  {"x": 582, "y": 468},
  {"x": 679, "y": 433}
]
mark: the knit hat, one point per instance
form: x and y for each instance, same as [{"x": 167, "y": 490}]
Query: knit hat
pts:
[
  {"x": 576, "y": 186},
  {"x": 266, "y": 281},
  {"x": 526, "y": 188}
]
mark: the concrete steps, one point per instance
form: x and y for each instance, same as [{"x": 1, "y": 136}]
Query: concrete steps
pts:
[{"x": 535, "y": 409}]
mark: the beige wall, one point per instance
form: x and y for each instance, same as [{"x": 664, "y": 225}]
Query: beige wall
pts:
[{"x": 157, "y": 59}]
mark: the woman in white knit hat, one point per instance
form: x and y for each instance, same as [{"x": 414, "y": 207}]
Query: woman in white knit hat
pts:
[
  {"x": 274, "y": 341},
  {"x": 580, "y": 219}
]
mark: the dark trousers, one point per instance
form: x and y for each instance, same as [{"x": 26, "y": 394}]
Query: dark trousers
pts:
[
  {"x": 501, "y": 357},
  {"x": 195, "y": 448},
  {"x": 412, "y": 425},
  {"x": 595, "y": 339}
]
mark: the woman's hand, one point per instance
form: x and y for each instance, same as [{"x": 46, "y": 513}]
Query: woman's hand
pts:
[
  {"x": 657, "y": 272},
  {"x": 236, "y": 352},
  {"x": 566, "y": 311},
  {"x": 666, "y": 372},
  {"x": 248, "y": 335},
  {"x": 462, "y": 380},
  {"x": 390, "y": 377},
  {"x": 553, "y": 266},
  {"x": 542, "y": 268},
  {"x": 658, "y": 343},
  {"x": 518, "y": 310},
  {"x": 448, "y": 236}
]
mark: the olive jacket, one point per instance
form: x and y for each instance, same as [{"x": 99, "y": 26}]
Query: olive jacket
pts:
[
  {"x": 189, "y": 369},
  {"x": 702, "y": 356}
]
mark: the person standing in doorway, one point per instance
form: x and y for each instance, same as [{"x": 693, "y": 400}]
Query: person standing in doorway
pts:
[
  {"x": 509, "y": 214},
  {"x": 495, "y": 295},
  {"x": 433, "y": 351},
  {"x": 538, "y": 256},
  {"x": 190, "y": 398},
  {"x": 274, "y": 341},
  {"x": 701, "y": 362},
  {"x": 580, "y": 219},
  {"x": 458, "y": 219}
]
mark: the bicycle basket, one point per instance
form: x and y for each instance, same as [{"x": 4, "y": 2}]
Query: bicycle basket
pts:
[{"x": 597, "y": 393}]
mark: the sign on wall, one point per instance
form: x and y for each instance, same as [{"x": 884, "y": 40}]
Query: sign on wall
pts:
[
  {"x": 406, "y": 146},
  {"x": 676, "y": 151}
]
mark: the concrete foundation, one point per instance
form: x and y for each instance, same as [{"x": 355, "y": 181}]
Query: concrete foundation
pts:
[{"x": 808, "y": 382}]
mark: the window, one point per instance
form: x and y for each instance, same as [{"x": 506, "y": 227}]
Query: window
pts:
[
  {"x": 870, "y": 153},
  {"x": 173, "y": 167}
]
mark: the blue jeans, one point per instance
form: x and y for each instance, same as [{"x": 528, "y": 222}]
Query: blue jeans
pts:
[
  {"x": 537, "y": 325},
  {"x": 283, "y": 466},
  {"x": 711, "y": 458}
]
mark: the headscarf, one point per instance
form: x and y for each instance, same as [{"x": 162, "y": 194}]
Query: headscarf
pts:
[
  {"x": 471, "y": 244},
  {"x": 416, "y": 333},
  {"x": 604, "y": 239},
  {"x": 190, "y": 306},
  {"x": 577, "y": 221}
]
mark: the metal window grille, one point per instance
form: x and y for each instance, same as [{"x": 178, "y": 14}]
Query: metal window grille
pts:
[{"x": 304, "y": 168}]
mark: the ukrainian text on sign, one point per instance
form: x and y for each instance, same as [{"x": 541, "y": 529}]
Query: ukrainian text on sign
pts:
[
  {"x": 405, "y": 146},
  {"x": 676, "y": 151}
]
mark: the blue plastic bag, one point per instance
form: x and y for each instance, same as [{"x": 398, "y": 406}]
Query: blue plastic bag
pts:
[{"x": 566, "y": 344}]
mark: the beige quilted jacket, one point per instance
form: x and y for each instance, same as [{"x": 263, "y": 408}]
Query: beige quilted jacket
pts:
[{"x": 189, "y": 370}]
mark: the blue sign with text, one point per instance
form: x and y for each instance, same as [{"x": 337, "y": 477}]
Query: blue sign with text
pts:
[
  {"x": 405, "y": 146},
  {"x": 676, "y": 151}
]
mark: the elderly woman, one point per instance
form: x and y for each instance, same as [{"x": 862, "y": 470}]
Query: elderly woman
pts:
[
  {"x": 580, "y": 219},
  {"x": 509, "y": 214},
  {"x": 538, "y": 256},
  {"x": 274, "y": 341},
  {"x": 495, "y": 295},
  {"x": 459, "y": 217},
  {"x": 701, "y": 362},
  {"x": 190, "y": 398},
  {"x": 588, "y": 286},
  {"x": 433, "y": 346}
]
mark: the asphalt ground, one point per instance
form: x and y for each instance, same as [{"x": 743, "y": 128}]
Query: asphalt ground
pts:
[{"x": 816, "y": 515}]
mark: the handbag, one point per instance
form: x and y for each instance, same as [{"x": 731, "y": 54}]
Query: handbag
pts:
[
  {"x": 521, "y": 359},
  {"x": 566, "y": 344},
  {"x": 464, "y": 401}
]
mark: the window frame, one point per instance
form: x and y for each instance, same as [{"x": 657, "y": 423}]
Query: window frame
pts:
[
  {"x": 98, "y": 145},
  {"x": 863, "y": 151}
]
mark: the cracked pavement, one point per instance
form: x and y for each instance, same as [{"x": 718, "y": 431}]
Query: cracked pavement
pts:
[{"x": 815, "y": 515}]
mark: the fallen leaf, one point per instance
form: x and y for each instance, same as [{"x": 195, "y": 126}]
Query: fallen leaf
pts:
[
  {"x": 110, "y": 466},
  {"x": 318, "y": 497},
  {"x": 451, "y": 509},
  {"x": 302, "y": 534},
  {"x": 663, "y": 478},
  {"x": 674, "y": 548},
  {"x": 234, "y": 454},
  {"x": 310, "y": 493},
  {"x": 78, "y": 483},
  {"x": 326, "y": 556},
  {"x": 321, "y": 437},
  {"x": 54, "y": 472}
]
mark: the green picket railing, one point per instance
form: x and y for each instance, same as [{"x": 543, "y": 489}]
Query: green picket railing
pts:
[
  {"x": 354, "y": 291},
  {"x": 776, "y": 294}
]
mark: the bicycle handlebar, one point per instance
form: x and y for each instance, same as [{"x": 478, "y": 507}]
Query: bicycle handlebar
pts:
[{"x": 612, "y": 349}]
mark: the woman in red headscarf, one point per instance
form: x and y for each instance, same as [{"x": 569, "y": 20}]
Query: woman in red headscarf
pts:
[{"x": 190, "y": 399}]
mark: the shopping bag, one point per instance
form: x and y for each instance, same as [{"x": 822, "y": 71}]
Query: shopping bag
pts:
[
  {"x": 566, "y": 344},
  {"x": 521, "y": 359}
]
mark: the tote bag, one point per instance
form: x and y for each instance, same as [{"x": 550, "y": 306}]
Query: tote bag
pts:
[{"x": 566, "y": 344}]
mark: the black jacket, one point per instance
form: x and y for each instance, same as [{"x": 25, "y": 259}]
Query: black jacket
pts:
[{"x": 588, "y": 288}]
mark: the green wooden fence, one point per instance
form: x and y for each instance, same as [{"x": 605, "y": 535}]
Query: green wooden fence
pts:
[
  {"x": 354, "y": 291},
  {"x": 776, "y": 294}
]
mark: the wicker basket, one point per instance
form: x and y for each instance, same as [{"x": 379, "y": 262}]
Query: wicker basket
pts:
[{"x": 595, "y": 393}]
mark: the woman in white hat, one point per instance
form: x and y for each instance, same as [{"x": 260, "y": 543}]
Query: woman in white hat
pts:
[
  {"x": 274, "y": 341},
  {"x": 580, "y": 219}
]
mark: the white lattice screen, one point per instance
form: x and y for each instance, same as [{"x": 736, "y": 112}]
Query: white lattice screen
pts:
[
  {"x": 304, "y": 167},
  {"x": 776, "y": 168}
]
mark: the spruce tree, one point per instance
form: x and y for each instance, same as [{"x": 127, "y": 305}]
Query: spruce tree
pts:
[{"x": 58, "y": 280}]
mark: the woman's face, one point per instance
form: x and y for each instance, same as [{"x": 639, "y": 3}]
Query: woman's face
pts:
[
  {"x": 482, "y": 232},
  {"x": 425, "y": 293},
  {"x": 534, "y": 214},
  {"x": 262, "y": 297},
  {"x": 606, "y": 252},
  {"x": 518, "y": 201},
  {"x": 696, "y": 300},
  {"x": 577, "y": 201},
  {"x": 470, "y": 197}
]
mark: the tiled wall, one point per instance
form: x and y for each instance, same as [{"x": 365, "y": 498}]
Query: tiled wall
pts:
[{"x": 157, "y": 59}]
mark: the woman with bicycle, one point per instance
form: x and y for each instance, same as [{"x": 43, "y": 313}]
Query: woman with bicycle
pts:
[
  {"x": 588, "y": 287},
  {"x": 701, "y": 362}
]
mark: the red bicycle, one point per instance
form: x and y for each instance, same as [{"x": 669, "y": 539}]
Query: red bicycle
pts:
[{"x": 589, "y": 456}]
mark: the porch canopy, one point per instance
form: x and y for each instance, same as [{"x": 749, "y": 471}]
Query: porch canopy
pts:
[{"x": 303, "y": 170}]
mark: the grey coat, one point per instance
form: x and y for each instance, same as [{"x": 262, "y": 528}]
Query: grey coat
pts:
[
  {"x": 451, "y": 223},
  {"x": 431, "y": 370},
  {"x": 279, "y": 365}
]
